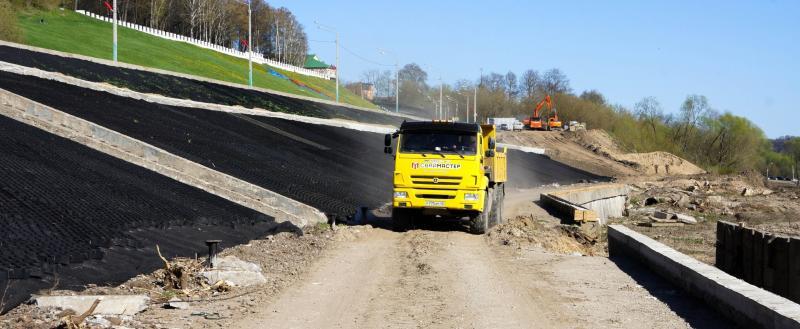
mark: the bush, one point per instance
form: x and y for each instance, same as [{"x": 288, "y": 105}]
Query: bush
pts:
[{"x": 9, "y": 30}]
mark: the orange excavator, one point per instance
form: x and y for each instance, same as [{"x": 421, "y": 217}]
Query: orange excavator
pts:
[
  {"x": 535, "y": 122},
  {"x": 553, "y": 123}
]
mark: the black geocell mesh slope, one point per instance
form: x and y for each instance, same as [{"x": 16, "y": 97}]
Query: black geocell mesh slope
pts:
[{"x": 65, "y": 208}]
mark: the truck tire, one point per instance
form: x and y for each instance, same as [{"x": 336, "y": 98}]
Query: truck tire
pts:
[
  {"x": 480, "y": 223},
  {"x": 500, "y": 194},
  {"x": 401, "y": 219}
]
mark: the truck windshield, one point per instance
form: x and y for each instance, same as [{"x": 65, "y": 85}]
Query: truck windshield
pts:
[{"x": 435, "y": 142}]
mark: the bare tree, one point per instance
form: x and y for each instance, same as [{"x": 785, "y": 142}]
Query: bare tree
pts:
[
  {"x": 531, "y": 82},
  {"x": 650, "y": 112},
  {"x": 556, "y": 82}
]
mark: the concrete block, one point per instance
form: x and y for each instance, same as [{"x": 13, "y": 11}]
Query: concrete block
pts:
[
  {"x": 109, "y": 304},
  {"x": 235, "y": 271},
  {"x": 235, "y": 278}
]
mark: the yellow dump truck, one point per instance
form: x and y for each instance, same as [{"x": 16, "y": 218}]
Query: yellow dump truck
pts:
[{"x": 447, "y": 170}]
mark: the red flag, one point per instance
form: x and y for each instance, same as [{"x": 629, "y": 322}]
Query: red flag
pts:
[{"x": 108, "y": 5}]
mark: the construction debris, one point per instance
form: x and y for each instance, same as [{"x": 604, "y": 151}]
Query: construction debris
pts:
[
  {"x": 234, "y": 272},
  {"x": 108, "y": 305}
]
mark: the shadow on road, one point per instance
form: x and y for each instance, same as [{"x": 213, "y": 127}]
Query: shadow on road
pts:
[
  {"x": 381, "y": 219},
  {"x": 694, "y": 311}
]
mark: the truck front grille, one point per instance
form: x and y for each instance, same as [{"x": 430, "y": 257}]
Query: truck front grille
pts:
[
  {"x": 436, "y": 180},
  {"x": 436, "y": 196}
]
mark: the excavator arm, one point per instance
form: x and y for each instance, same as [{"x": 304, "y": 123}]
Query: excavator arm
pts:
[{"x": 538, "y": 108}]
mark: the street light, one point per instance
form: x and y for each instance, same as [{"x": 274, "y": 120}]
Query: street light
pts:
[
  {"x": 396, "y": 79},
  {"x": 331, "y": 29},
  {"x": 456, "y": 112},
  {"x": 441, "y": 91},
  {"x": 249, "y": 42},
  {"x": 114, "y": 9}
]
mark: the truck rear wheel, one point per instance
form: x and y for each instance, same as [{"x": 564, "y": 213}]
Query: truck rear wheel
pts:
[
  {"x": 500, "y": 194},
  {"x": 401, "y": 219}
]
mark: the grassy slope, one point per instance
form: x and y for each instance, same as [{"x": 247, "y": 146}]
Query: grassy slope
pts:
[{"x": 74, "y": 33}]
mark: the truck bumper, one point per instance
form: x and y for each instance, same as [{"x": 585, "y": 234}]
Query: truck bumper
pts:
[{"x": 438, "y": 199}]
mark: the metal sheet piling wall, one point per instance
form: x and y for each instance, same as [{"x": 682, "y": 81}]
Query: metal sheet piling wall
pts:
[{"x": 763, "y": 259}]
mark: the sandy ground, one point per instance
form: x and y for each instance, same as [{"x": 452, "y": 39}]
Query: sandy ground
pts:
[
  {"x": 441, "y": 277},
  {"x": 429, "y": 279}
]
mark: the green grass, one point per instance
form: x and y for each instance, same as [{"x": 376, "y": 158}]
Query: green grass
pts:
[{"x": 71, "y": 32}]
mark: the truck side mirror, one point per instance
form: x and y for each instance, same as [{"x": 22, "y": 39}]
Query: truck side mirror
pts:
[
  {"x": 387, "y": 140},
  {"x": 489, "y": 153},
  {"x": 492, "y": 144},
  {"x": 387, "y": 149}
]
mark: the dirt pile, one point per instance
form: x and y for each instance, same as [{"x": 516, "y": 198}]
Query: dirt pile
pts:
[
  {"x": 597, "y": 152},
  {"x": 524, "y": 232},
  {"x": 283, "y": 257}
]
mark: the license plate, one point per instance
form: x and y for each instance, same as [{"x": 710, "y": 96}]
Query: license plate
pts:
[{"x": 430, "y": 203}]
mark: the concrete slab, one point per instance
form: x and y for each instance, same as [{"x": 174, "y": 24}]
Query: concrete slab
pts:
[{"x": 109, "y": 304}]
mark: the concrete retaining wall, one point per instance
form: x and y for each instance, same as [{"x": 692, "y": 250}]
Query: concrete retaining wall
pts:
[
  {"x": 747, "y": 305},
  {"x": 148, "y": 156},
  {"x": 604, "y": 200}
]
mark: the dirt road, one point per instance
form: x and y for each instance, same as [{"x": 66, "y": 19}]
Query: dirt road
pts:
[{"x": 452, "y": 279}]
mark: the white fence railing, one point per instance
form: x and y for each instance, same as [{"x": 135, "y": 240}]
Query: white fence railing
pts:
[{"x": 257, "y": 57}]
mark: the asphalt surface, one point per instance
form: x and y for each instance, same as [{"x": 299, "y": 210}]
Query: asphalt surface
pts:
[
  {"x": 171, "y": 86},
  {"x": 92, "y": 218}
]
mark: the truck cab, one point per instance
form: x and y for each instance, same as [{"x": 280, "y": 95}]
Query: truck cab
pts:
[{"x": 447, "y": 170}]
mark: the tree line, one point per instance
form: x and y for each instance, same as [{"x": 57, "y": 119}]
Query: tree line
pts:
[
  {"x": 721, "y": 142},
  {"x": 277, "y": 34}
]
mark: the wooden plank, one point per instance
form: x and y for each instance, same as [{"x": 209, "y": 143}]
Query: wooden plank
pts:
[
  {"x": 729, "y": 249},
  {"x": 758, "y": 258},
  {"x": 720, "y": 246},
  {"x": 747, "y": 236},
  {"x": 794, "y": 270},
  {"x": 657, "y": 224},
  {"x": 781, "y": 265},
  {"x": 736, "y": 250}
]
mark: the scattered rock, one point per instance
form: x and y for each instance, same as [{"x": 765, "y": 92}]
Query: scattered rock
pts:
[{"x": 650, "y": 201}]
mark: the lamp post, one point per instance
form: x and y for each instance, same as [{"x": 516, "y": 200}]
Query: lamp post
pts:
[
  {"x": 333, "y": 30},
  {"x": 114, "y": 10},
  {"x": 441, "y": 92},
  {"x": 249, "y": 42},
  {"x": 396, "y": 80}
]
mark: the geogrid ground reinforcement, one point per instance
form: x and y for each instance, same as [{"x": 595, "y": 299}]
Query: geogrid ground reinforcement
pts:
[{"x": 65, "y": 207}]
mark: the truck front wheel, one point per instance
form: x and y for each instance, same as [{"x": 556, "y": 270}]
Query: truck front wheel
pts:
[
  {"x": 401, "y": 219},
  {"x": 479, "y": 223}
]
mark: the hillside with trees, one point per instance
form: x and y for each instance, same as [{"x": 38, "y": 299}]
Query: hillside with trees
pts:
[
  {"x": 720, "y": 142},
  {"x": 276, "y": 31}
]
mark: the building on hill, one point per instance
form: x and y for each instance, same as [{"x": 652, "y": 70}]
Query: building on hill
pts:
[
  {"x": 365, "y": 90},
  {"x": 315, "y": 64}
]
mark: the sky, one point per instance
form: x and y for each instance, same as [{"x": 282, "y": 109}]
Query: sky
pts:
[{"x": 744, "y": 56}]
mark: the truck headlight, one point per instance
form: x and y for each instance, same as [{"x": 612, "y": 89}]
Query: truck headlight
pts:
[
  {"x": 471, "y": 196},
  {"x": 400, "y": 195}
]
